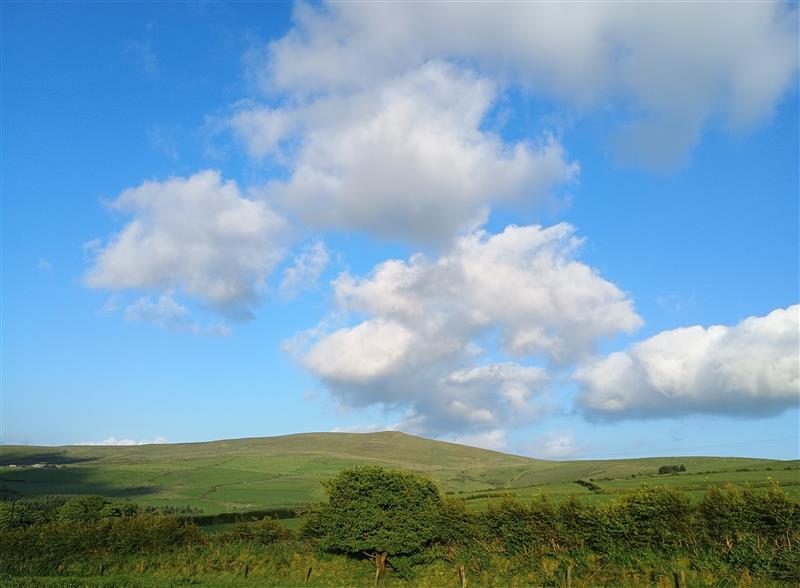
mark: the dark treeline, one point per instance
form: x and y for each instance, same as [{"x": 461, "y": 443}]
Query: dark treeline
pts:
[
  {"x": 731, "y": 532},
  {"x": 672, "y": 469},
  {"x": 278, "y": 513},
  {"x": 24, "y": 511}
]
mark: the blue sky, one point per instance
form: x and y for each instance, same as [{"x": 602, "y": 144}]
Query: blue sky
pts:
[{"x": 237, "y": 220}]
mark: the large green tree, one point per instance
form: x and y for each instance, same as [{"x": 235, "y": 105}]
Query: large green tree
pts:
[{"x": 377, "y": 512}]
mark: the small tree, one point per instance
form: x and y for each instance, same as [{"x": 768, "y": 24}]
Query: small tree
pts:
[
  {"x": 82, "y": 509},
  {"x": 378, "y": 513},
  {"x": 13, "y": 515}
]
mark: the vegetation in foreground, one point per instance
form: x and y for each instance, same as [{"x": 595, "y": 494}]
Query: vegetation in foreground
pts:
[{"x": 396, "y": 528}]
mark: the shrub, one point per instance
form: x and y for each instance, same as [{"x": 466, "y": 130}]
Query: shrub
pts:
[
  {"x": 14, "y": 515},
  {"x": 651, "y": 517},
  {"x": 591, "y": 486},
  {"x": 521, "y": 528},
  {"x": 724, "y": 514},
  {"x": 81, "y": 509},
  {"x": 377, "y": 511},
  {"x": 264, "y": 532},
  {"x": 580, "y": 525},
  {"x": 671, "y": 469}
]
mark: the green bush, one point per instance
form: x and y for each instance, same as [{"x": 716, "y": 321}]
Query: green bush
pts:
[
  {"x": 724, "y": 513},
  {"x": 44, "y": 548},
  {"x": 13, "y": 515},
  {"x": 522, "y": 528},
  {"x": 81, "y": 509},
  {"x": 457, "y": 525},
  {"x": 265, "y": 532},
  {"x": 651, "y": 517},
  {"x": 732, "y": 532},
  {"x": 671, "y": 469},
  {"x": 581, "y": 526},
  {"x": 378, "y": 512}
]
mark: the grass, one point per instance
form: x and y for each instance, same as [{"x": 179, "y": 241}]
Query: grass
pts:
[{"x": 250, "y": 474}]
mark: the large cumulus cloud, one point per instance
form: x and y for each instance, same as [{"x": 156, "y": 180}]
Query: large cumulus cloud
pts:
[
  {"x": 672, "y": 67},
  {"x": 417, "y": 345},
  {"x": 407, "y": 159},
  {"x": 749, "y": 369},
  {"x": 199, "y": 236}
]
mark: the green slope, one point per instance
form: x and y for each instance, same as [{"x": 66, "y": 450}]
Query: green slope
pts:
[{"x": 248, "y": 474}]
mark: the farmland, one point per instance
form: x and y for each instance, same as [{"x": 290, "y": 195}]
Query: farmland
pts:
[
  {"x": 252, "y": 474},
  {"x": 512, "y": 523}
]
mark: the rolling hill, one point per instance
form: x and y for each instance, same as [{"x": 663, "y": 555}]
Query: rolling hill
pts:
[{"x": 249, "y": 474}]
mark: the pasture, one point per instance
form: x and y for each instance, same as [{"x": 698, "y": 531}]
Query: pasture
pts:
[{"x": 252, "y": 474}]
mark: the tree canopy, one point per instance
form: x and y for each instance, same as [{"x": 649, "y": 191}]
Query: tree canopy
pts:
[{"x": 377, "y": 511}]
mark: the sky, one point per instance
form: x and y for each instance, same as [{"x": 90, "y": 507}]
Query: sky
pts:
[{"x": 558, "y": 230}]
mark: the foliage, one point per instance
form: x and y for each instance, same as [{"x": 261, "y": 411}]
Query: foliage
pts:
[
  {"x": 372, "y": 509},
  {"x": 81, "y": 509},
  {"x": 270, "y": 473},
  {"x": 13, "y": 515},
  {"x": 581, "y": 526},
  {"x": 589, "y": 485},
  {"x": 265, "y": 531},
  {"x": 732, "y": 536},
  {"x": 48, "y": 546},
  {"x": 671, "y": 469},
  {"x": 651, "y": 517},
  {"x": 521, "y": 527},
  {"x": 90, "y": 509}
]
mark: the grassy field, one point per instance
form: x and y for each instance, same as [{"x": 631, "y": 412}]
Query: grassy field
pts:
[{"x": 251, "y": 474}]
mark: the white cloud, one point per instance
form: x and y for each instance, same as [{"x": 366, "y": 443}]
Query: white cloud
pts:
[
  {"x": 524, "y": 281},
  {"x": 261, "y": 130},
  {"x": 554, "y": 445},
  {"x": 416, "y": 348},
  {"x": 365, "y": 352},
  {"x": 306, "y": 269},
  {"x": 198, "y": 236},
  {"x": 364, "y": 429},
  {"x": 115, "y": 441},
  {"x": 750, "y": 369},
  {"x": 169, "y": 314},
  {"x": 405, "y": 159},
  {"x": 495, "y": 440},
  {"x": 671, "y": 66}
]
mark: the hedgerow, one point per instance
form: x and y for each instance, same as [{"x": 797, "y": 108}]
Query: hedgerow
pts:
[{"x": 404, "y": 520}]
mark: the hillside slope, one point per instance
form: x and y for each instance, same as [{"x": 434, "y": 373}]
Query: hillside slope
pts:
[{"x": 255, "y": 473}]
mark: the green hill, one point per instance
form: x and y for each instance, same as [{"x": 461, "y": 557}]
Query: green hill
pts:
[{"x": 248, "y": 474}]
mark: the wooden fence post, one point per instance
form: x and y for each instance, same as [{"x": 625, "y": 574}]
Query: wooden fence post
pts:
[
  {"x": 462, "y": 574},
  {"x": 308, "y": 574}
]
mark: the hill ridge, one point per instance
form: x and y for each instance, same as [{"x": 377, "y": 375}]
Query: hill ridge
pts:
[{"x": 258, "y": 472}]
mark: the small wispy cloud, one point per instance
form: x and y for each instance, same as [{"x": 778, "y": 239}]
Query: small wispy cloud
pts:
[
  {"x": 364, "y": 428},
  {"x": 675, "y": 302},
  {"x": 164, "y": 141},
  {"x": 144, "y": 57},
  {"x": 495, "y": 440},
  {"x": 553, "y": 445},
  {"x": 44, "y": 265},
  {"x": 115, "y": 441},
  {"x": 306, "y": 270},
  {"x": 169, "y": 314}
]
